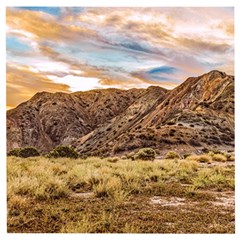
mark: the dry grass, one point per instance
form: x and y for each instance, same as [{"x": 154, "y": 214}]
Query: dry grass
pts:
[
  {"x": 40, "y": 193},
  {"x": 216, "y": 177}
]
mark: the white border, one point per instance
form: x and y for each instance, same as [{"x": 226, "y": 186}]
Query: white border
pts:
[
  {"x": 107, "y": 3},
  {"x": 123, "y": 3},
  {"x": 3, "y": 189}
]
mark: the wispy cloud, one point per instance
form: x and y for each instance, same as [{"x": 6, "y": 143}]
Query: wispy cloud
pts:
[{"x": 68, "y": 49}]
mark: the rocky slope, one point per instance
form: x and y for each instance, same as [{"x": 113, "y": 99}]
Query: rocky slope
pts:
[
  {"x": 48, "y": 119},
  {"x": 198, "y": 113}
]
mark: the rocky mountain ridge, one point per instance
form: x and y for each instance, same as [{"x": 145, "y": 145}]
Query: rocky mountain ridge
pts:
[{"x": 196, "y": 114}]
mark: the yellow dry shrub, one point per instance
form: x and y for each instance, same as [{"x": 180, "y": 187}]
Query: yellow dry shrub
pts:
[{"x": 219, "y": 158}]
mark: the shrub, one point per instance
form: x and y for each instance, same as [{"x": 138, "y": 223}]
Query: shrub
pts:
[
  {"x": 172, "y": 155},
  {"x": 213, "y": 178},
  {"x": 229, "y": 156},
  {"x": 219, "y": 158},
  {"x": 130, "y": 155},
  {"x": 106, "y": 187},
  {"x": 204, "y": 158},
  {"x": 172, "y": 132},
  {"x": 215, "y": 151},
  {"x": 186, "y": 155},
  {"x": 145, "y": 154},
  {"x": 232, "y": 158},
  {"x": 211, "y": 153},
  {"x": 112, "y": 160},
  {"x": 63, "y": 151},
  {"x": 24, "y": 152},
  {"x": 28, "y": 152},
  {"x": 14, "y": 152}
]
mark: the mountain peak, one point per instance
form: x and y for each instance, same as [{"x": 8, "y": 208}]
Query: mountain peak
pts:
[{"x": 215, "y": 73}]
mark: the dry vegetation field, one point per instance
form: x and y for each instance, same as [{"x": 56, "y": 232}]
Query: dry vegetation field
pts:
[{"x": 93, "y": 195}]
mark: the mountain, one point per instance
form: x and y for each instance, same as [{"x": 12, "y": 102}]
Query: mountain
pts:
[
  {"x": 50, "y": 119},
  {"x": 199, "y": 113}
]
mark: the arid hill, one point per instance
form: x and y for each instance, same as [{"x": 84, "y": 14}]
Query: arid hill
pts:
[
  {"x": 48, "y": 119},
  {"x": 199, "y": 113}
]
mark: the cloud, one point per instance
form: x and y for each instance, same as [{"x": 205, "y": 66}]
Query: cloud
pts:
[
  {"x": 227, "y": 27},
  {"x": 162, "y": 69},
  {"x": 135, "y": 47},
  {"x": 203, "y": 45},
  {"x": 107, "y": 76},
  {"x": 115, "y": 47},
  {"x": 22, "y": 83},
  {"x": 44, "y": 26}
]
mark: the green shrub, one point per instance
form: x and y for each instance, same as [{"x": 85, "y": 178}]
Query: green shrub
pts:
[
  {"x": 62, "y": 151},
  {"x": 172, "y": 155},
  {"x": 24, "y": 152},
  {"x": 14, "y": 152},
  {"x": 145, "y": 154}
]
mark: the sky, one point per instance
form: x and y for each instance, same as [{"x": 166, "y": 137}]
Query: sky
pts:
[{"x": 72, "y": 49}]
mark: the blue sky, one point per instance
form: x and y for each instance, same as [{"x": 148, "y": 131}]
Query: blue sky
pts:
[
  {"x": 14, "y": 43},
  {"x": 50, "y": 10}
]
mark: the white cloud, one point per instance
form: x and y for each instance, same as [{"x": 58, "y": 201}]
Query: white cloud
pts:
[{"x": 77, "y": 83}]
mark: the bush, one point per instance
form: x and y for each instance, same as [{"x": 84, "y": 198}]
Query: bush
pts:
[
  {"x": 229, "y": 156},
  {"x": 112, "y": 160},
  {"x": 172, "y": 155},
  {"x": 215, "y": 151},
  {"x": 232, "y": 158},
  {"x": 145, "y": 154},
  {"x": 14, "y": 152},
  {"x": 63, "y": 151},
  {"x": 212, "y": 178},
  {"x": 24, "y": 152},
  {"x": 219, "y": 158},
  {"x": 211, "y": 153},
  {"x": 204, "y": 158},
  {"x": 186, "y": 155},
  {"x": 130, "y": 155}
]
